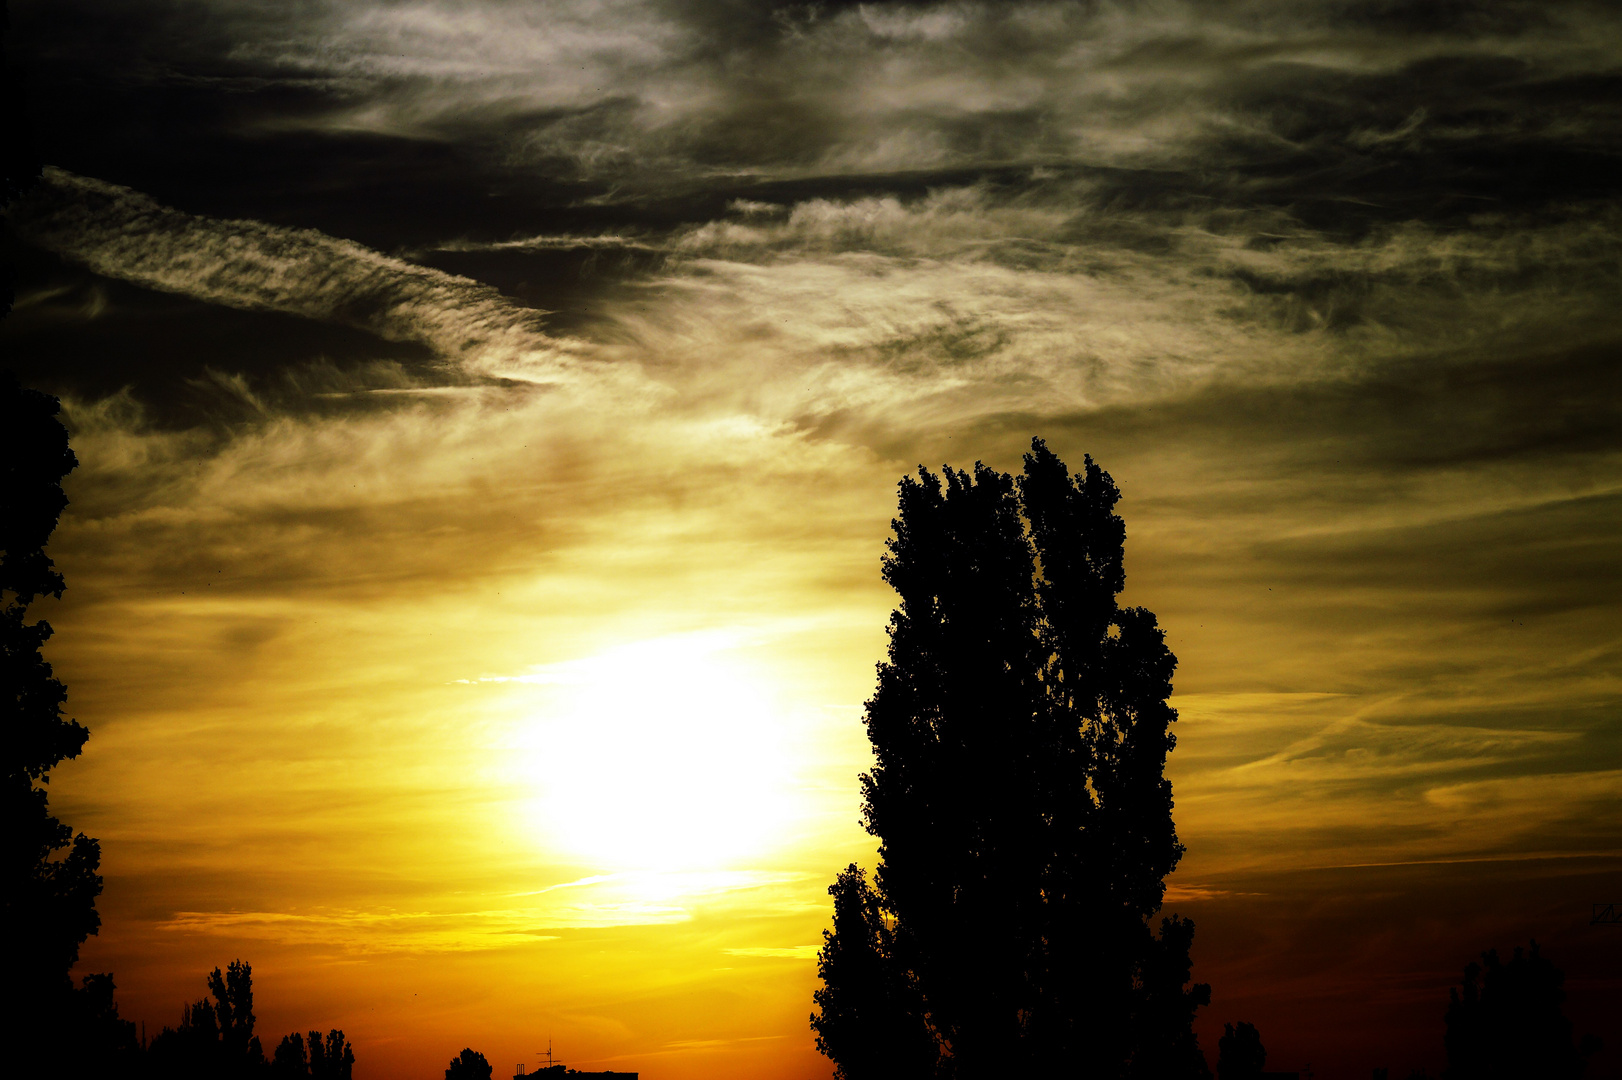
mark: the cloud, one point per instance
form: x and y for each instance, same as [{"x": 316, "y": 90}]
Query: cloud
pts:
[
  {"x": 934, "y": 85},
  {"x": 360, "y": 932},
  {"x": 614, "y": 900},
  {"x": 1041, "y": 298},
  {"x": 794, "y": 952},
  {"x": 546, "y": 243},
  {"x": 652, "y": 92},
  {"x": 245, "y": 264}
]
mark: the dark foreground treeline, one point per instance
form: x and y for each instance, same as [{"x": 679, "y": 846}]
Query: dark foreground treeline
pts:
[
  {"x": 1507, "y": 1020},
  {"x": 214, "y": 1041}
]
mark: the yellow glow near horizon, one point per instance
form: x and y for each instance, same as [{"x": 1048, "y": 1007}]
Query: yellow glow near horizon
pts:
[{"x": 665, "y": 754}]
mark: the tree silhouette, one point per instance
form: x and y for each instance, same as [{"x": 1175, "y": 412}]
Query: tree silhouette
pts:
[
  {"x": 215, "y": 1039},
  {"x": 1240, "y": 1053},
  {"x": 101, "y": 1042},
  {"x": 332, "y": 1060},
  {"x": 233, "y": 1011},
  {"x": 1508, "y": 1020},
  {"x": 468, "y": 1065},
  {"x": 871, "y": 1022},
  {"x": 1020, "y": 731},
  {"x": 291, "y": 1060},
  {"x": 50, "y": 883},
  {"x": 1163, "y": 1039}
]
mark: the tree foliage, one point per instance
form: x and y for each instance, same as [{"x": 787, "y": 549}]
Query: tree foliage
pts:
[
  {"x": 1020, "y": 729},
  {"x": 48, "y": 876},
  {"x": 215, "y": 1038},
  {"x": 292, "y": 1058},
  {"x": 1508, "y": 1020},
  {"x": 871, "y": 1021},
  {"x": 468, "y": 1065},
  {"x": 329, "y": 1059},
  {"x": 1240, "y": 1053},
  {"x": 332, "y": 1060}
]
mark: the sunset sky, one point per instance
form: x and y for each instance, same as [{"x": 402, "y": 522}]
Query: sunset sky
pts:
[{"x": 490, "y": 413}]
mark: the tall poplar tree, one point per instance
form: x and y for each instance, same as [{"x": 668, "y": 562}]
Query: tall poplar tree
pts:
[{"x": 1020, "y": 729}]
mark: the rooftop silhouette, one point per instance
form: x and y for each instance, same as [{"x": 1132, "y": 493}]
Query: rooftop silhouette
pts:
[{"x": 554, "y": 1069}]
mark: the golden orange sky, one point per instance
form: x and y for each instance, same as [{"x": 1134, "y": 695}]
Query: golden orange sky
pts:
[
  {"x": 467, "y": 736},
  {"x": 476, "y": 642}
]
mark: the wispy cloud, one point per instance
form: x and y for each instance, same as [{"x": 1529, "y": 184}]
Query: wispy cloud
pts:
[
  {"x": 361, "y": 931},
  {"x": 123, "y": 234}
]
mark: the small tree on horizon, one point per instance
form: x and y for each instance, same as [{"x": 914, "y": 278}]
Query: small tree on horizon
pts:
[
  {"x": 1020, "y": 729},
  {"x": 1240, "y": 1053},
  {"x": 332, "y": 1059},
  {"x": 1509, "y": 1020},
  {"x": 469, "y": 1065},
  {"x": 291, "y": 1060},
  {"x": 215, "y": 1039}
]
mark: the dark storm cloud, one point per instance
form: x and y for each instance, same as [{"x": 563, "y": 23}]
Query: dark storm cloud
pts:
[{"x": 1421, "y": 109}]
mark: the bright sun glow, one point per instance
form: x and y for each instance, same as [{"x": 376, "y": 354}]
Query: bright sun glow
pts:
[{"x": 665, "y": 754}]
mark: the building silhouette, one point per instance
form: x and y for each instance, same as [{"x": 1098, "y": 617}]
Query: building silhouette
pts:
[{"x": 558, "y": 1072}]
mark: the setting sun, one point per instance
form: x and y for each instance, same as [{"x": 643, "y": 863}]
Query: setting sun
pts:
[{"x": 658, "y": 755}]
